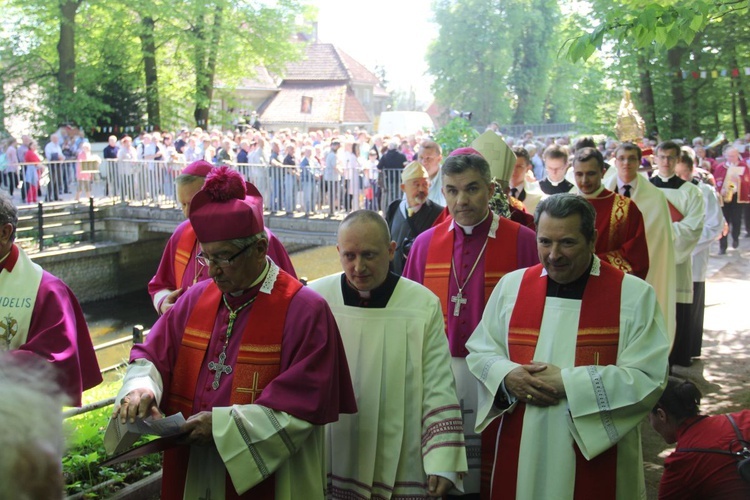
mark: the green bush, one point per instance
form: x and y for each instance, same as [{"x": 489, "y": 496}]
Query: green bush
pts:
[
  {"x": 458, "y": 133},
  {"x": 86, "y": 450}
]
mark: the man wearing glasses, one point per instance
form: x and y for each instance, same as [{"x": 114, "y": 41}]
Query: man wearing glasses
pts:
[
  {"x": 250, "y": 357},
  {"x": 178, "y": 269},
  {"x": 652, "y": 203},
  {"x": 688, "y": 212}
]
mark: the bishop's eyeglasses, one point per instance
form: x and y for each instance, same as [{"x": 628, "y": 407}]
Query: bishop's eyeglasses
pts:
[{"x": 204, "y": 260}]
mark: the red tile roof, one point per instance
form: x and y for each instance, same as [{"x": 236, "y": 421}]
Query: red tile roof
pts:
[
  {"x": 325, "y": 62},
  {"x": 332, "y": 103},
  {"x": 354, "y": 111}
]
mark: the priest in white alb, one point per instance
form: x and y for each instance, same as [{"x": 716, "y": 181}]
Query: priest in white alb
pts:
[
  {"x": 688, "y": 213},
  {"x": 461, "y": 260},
  {"x": 627, "y": 181},
  {"x": 569, "y": 354},
  {"x": 407, "y": 439}
]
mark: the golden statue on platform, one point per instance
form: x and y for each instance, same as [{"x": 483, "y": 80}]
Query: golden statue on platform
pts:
[{"x": 630, "y": 126}]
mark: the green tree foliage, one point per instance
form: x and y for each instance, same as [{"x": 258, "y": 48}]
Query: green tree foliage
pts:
[
  {"x": 642, "y": 23},
  {"x": 533, "y": 51},
  {"x": 458, "y": 133},
  {"x": 92, "y": 63},
  {"x": 471, "y": 58},
  {"x": 673, "y": 80}
]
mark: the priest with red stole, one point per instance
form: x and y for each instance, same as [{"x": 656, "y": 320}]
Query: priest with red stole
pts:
[
  {"x": 39, "y": 315},
  {"x": 250, "y": 357},
  {"x": 621, "y": 234},
  {"x": 178, "y": 269},
  {"x": 461, "y": 260},
  {"x": 571, "y": 355}
]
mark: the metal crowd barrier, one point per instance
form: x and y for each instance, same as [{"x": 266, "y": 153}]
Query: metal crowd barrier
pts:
[{"x": 285, "y": 188}]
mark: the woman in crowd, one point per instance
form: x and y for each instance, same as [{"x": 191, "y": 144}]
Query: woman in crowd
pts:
[
  {"x": 11, "y": 161},
  {"x": 86, "y": 162},
  {"x": 32, "y": 172}
]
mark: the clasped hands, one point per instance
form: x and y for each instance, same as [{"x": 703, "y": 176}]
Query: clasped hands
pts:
[
  {"x": 538, "y": 384},
  {"x": 141, "y": 403}
]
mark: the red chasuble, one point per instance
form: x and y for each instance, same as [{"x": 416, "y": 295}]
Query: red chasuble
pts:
[
  {"x": 258, "y": 363},
  {"x": 621, "y": 233},
  {"x": 597, "y": 344},
  {"x": 501, "y": 257}
]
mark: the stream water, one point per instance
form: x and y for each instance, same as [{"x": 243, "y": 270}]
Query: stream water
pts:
[{"x": 114, "y": 318}]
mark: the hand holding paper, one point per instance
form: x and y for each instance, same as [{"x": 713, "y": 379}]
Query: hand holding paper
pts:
[{"x": 138, "y": 403}]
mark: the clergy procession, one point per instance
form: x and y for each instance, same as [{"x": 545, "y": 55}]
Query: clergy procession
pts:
[{"x": 504, "y": 337}]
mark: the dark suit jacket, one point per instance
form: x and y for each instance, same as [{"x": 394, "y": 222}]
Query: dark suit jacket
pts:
[{"x": 401, "y": 229}]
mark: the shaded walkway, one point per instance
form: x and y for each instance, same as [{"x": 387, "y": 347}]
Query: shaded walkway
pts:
[{"x": 723, "y": 371}]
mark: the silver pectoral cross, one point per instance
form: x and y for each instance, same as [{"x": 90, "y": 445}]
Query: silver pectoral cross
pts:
[
  {"x": 459, "y": 300},
  {"x": 220, "y": 368}
]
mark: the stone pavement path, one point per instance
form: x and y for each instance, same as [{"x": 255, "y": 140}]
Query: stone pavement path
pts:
[{"x": 723, "y": 371}]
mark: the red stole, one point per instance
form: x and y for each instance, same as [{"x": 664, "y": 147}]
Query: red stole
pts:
[
  {"x": 501, "y": 257},
  {"x": 596, "y": 344},
  {"x": 258, "y": 363},
  {"x": 185, "y": 246},
  {"x": 674, "y": 214}
]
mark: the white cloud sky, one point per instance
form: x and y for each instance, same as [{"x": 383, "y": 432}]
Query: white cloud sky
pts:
[{"x": 391, "y": 33}]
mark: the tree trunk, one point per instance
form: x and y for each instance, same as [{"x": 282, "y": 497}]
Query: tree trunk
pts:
[
  {"x": 717, "y": 122},
  {"x": 66, "y": 48},
  {"x": 648, "y": 108},
  {"x": 148, "y": 49},
  {"x": 205, "y": 69},
  {"x": 3, "y": 130},
  {"x": 735, "y": 128},
  {"x": 741, "y": 96},
  {"x": 743, "y": 107},
  {"x": 674, "y": 60}
]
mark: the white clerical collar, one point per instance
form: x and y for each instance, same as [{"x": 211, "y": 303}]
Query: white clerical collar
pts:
[
  {"x": 470, "y": 229},
  {"x": 633, "y": 184},
  {"x": 595, "y": 193},
  {"x": 555, "y": 183},
  {"x": 664, "y": 179},
  {"x": 260, "y": 278},
  {"x": 596, "y": 268},
  {"x": 519, "y": 186}
]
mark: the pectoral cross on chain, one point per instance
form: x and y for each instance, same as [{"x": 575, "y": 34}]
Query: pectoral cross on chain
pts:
[
  {"x": 459, "y": 300},
  {"x": 220, "y": 368}
]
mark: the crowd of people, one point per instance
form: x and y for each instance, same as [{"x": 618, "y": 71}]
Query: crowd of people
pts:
[
  {"x": 294, "y": 171},
  {"x": 502, "y": 335}
]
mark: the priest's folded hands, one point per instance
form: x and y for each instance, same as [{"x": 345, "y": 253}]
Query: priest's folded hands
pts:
[{"x": 537, "y": 384}]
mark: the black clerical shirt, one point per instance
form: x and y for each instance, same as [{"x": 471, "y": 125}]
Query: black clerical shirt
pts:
[
  {"x": 573, "y": 290},
  {"x": 378, "y": 298},
  {"x": 673, "y": 182}
]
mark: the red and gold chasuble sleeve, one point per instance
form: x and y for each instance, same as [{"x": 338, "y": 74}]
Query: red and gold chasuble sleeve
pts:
[{"x": 596, "y": 344}]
